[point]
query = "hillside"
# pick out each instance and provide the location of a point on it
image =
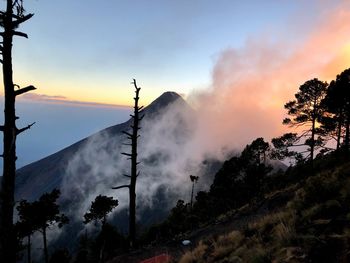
(46, 174)
(305, 219)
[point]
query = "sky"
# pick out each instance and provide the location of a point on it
(222, 56)
(83, 50)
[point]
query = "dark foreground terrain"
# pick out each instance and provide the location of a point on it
(306, 220)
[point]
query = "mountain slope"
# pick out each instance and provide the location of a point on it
(46, 174)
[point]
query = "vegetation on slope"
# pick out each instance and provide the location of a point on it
(313, 227)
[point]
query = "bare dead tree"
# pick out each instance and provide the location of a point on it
(194, 180)
(133, 137)
(10, 20)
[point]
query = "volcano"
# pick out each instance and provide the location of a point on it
(47, 174)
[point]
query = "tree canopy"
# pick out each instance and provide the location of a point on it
(100, 208)
(306, 110)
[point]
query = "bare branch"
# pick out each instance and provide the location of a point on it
(24, 90)
(132, 126)
(18, 131)
(20, 34)
(21, 19)
(130, 135)
(121, 186)
(127, 154)
(127, 175)
(296, 145)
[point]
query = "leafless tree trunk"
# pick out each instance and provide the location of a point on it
(29, 247)
(133, 137)
(46, 254)
(193, 179)
(9, 20)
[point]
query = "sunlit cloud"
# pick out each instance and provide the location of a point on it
(251, 85)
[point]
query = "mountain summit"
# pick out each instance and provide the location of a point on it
(164, 100)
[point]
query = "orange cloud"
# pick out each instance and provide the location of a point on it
(251, 85)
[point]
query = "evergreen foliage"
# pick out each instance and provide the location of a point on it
(305, 111)
(39, 216)
(337, 104)
(100, 208)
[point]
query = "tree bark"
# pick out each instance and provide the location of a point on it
(102, 249)
(132, 189)
(10, 22)
(29, 255)
(312, 146)
(7, 235)
(192, 195)
(340, 124)
(347, 133)
(46, 254)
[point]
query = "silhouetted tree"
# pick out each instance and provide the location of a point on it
(133, 137)
(178, 218)
(48, 214)
(337, 103)
(27, 223)
(253, 160)
(228, 188)
(10, 20)
(194, 180)
(256, 152)
(307, 110)
(240, 178)
(282, 146)
(100, 208)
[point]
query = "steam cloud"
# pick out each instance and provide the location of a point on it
(249, 88)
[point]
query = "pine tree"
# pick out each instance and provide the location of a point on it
(48, 214)
(306, 110)
(337, 103)
(27, 223)
(100, 208)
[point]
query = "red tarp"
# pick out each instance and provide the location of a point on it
(162, 258)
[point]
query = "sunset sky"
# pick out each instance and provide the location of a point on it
(233, 60)
(89, 50)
